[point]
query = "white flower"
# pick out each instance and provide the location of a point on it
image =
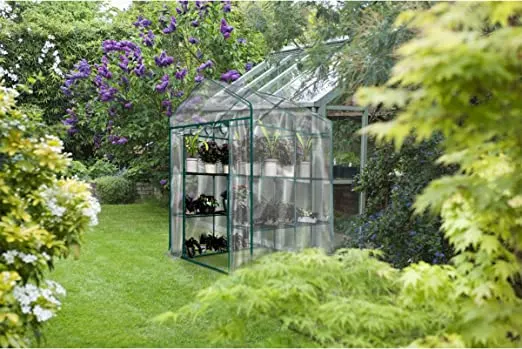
(51, 37)
(46, 256)
(92, 211)
(42, 314)
(17, 66)
(28, 29)
(55, 53)
(40, 60)
(9, 256)
(26, 309)
(56, 287)
(28, 258)
(20, 40)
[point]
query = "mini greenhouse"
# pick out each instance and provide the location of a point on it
(251, 173)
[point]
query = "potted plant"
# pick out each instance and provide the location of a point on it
(305, 216)
(209, 153)
(206, 204)
(285, 154)
(271, 143)
(223, 157)
(191, 145)
(304, 147)
(346, 165)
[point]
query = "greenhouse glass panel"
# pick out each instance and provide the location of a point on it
(251, 173)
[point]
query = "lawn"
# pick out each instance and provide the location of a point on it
(124, 278)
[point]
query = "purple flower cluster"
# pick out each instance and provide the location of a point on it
(227, 6)
(107, 93)
(180, 75)
(163, 182)
(194, 23)
(241, 41)
(199, 78)
(162, 86)
(142, 22)
(231, 75)
(71, 122)
(248, 66)
(121, 46)
(225, 28)
(117, 139)
(163, 60)
(193, 40)
(184, 6)
(171, 27)
(203, 66)
(168, 107)
(124, 63)
(148, 39)
(82, 70)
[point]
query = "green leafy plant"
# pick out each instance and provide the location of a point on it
(349, 300)
(102, 168)
(347, 158)
(474, 103)
(271, 142)
(192, 144)
(304, 147)
(115, 190)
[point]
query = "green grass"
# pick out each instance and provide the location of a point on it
(124, 278)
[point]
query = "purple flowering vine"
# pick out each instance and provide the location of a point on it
(171, 27)
(142, 22)
(180, 75)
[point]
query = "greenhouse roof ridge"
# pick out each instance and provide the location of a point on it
(283, 77)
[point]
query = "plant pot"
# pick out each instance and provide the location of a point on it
(225, 169)
(244, 168)
(210, 168)
(304, 169)
(342, 171)
(287, 171)
(192, 165)
(257, 169)
(270, 167)
(307, 220)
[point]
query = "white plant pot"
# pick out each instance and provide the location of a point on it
(225, 169)
(307, 220)
(244, 168)
(270, 168)
(210, 168)
(257, 169)
(304, 169)
(287, 171)
(192, 165)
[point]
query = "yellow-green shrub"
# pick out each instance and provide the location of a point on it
(42, 216)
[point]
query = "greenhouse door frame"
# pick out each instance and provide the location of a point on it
(364, 140)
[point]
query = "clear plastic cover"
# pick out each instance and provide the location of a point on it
(269, 188)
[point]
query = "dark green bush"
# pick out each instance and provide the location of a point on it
(115, 190)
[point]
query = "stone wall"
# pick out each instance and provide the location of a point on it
(146, 190)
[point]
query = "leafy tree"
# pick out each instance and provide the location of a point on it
(41, 41)
(41, 219)
(460, 77)
(348, 300)
(137, 84)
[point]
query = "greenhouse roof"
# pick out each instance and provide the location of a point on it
(280, 76)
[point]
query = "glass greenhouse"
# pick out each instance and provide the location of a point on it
(251, 173)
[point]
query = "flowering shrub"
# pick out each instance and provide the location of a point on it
(41, 218)
(137, 83)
